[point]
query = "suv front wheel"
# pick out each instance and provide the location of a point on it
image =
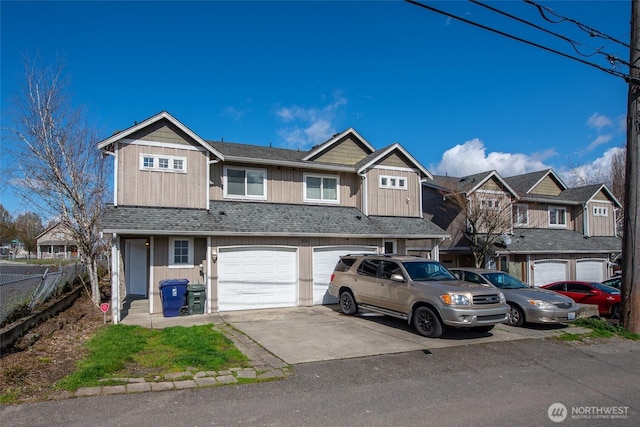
(427, 323)
(348, 303)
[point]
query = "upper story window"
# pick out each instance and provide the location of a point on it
(600, 211)
(155, 162)
(180, 252)
(396, 182)
(492, 204)
(321, 188)
(557, 216)
(520, 215)
(245, 183)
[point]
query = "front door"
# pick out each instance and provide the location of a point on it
(136, 267)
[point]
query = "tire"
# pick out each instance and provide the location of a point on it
(515, 317)
(482, 329)
(615, 311)
(427, 323)
(348, 303)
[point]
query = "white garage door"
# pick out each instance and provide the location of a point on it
(257, 277)
(324, 261)
(549, 271)
(590, 270)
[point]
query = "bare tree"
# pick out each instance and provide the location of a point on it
(6, 226)
(484, 219)
(28, 226)
(58, 167)
(617, 182)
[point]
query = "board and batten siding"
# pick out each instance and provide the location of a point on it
(600, 225)
(285, 185)
(393, 201)
(157, 188)
(539, 216)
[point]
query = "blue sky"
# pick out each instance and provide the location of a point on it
(460, 99)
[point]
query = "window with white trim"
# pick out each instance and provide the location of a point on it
(393, 182)
(557, 216)
(155, 162)
(321, 188)
(245, 183)
(491, 204)
(180, 252)
(600, 211)
(520, 215)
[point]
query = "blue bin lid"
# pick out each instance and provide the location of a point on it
(173, 282)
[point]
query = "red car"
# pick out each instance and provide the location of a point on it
(607, 298)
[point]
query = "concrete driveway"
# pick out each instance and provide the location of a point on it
(312, 334)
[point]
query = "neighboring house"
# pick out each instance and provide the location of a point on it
(557, 233)
(56, 242)
(260, 227)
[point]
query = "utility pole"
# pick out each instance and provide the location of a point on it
(631, 240)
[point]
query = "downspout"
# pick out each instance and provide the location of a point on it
(585, 220)
(115, 172)
(365, 208)
(422, 181)
(207, 190)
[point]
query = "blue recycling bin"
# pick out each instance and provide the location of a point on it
(173, 293)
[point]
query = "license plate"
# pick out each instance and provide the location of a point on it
(571, 316)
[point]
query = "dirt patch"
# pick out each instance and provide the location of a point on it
(49, 352)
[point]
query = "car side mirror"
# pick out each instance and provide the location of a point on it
(397, 277)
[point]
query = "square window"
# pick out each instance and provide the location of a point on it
(147, 162)
(178, 164)
(246, 183)
(321, 188)
(180, 252)
(557, 217)
(163, 163)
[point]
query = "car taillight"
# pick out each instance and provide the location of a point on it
(332, 277)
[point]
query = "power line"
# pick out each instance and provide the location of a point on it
(590, 30)
(574, 44)
(626, 77)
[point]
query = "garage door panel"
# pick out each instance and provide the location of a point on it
(324, 261)
(590, 270)
(549, 271)
(254, 278)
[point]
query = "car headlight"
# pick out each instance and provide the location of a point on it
(503, 299)
(541, 304)
(454, 299)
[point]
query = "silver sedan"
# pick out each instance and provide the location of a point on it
(527, 304)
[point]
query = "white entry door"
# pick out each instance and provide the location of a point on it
(324, 261)
(257, 277)
(136, 267)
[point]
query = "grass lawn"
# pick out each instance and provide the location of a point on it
(121, 351)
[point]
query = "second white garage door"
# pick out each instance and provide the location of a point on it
(324, 261)
(257, 277)
(590, 270)
(549, 271)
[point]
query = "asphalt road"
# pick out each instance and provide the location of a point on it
(492, 384)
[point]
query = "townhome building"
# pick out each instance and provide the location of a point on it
(258, 226)
(56, 242)
(551, 232)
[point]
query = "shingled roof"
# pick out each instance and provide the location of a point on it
(549, 241)
(259, 218)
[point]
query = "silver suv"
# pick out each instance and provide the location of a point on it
(421, 291)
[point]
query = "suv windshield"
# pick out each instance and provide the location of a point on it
(426, 271)
(504, 281)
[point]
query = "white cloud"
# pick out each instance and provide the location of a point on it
(601, 139)
(310, 126)
(598, 121)
(598, 171)
(471, 157)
